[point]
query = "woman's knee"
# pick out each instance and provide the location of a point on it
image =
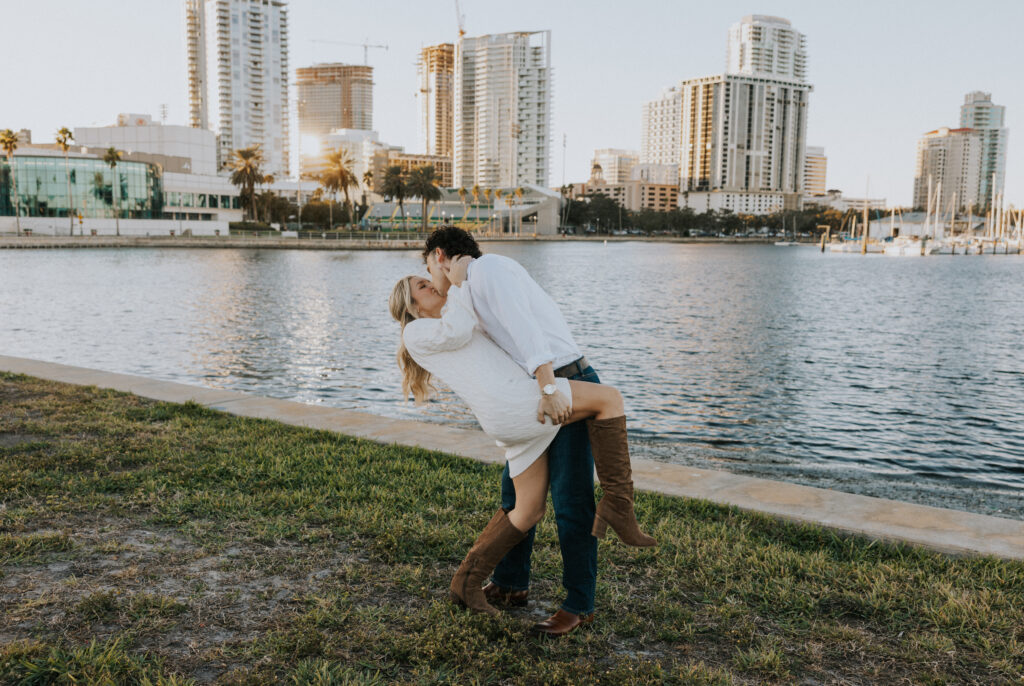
(533, 512)
(614, 403)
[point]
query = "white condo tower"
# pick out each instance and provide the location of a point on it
(502, 110)
(238, 75)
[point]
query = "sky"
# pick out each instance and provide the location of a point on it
(883, 72)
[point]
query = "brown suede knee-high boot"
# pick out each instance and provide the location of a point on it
(497, 538)
(609, 445)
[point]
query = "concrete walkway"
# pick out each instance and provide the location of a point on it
(950, 531)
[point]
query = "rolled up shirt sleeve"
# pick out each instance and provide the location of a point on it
(510, 303)
(452, 331)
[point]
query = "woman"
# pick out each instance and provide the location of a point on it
(440, 337)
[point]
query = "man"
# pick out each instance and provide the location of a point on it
(524, 321)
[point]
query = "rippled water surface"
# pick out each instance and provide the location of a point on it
(894, 377)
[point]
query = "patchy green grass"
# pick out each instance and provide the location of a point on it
(153, 543)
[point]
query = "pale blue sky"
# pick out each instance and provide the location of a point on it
(884, 72)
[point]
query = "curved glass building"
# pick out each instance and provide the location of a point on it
(135, 188)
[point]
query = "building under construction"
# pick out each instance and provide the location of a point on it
(437, 88)
(334, 96)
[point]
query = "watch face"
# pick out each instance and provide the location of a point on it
(550, 389)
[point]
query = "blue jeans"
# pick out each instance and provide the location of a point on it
(571, 474)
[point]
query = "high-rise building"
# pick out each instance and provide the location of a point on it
(815, 168)
(238, 75)
(979, 113)
(661, 135)
(617, 165)
(952, 157)
(334, 96)
(437, 92)
(743, 133)
(503, 110)
(760, 45)
(739, 138)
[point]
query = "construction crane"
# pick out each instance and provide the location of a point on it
(461, 18)
(365, 46)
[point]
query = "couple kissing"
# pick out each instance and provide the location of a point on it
(482, 326)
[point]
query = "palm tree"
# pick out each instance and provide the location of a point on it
(112, 157)
(9, 142)
(462, 196)
(475, 192)
(247, 171)
(423, 184)
(487, 198)
(498, 195)
(338, 176)
(519, 200)
(367, 187)
(64, 138)
(394, 186)
(268, 179)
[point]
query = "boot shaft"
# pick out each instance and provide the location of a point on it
(610, 447)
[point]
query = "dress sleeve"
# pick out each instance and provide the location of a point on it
(452, 331)
(504, 292)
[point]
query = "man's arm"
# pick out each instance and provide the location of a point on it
(504, 293)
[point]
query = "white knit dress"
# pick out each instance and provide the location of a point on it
(503, 397)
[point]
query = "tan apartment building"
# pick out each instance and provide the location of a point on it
(633, 195)
(815, 170)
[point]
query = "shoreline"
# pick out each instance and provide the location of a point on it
(36, 242)
(944, 530)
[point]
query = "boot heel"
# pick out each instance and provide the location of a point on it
(456, 600)
(600, 528)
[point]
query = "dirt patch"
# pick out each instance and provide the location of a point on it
(13, 440)
(184, 602)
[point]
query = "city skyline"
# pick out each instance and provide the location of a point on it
(868, 122)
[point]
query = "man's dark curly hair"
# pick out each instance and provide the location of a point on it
(453, 240)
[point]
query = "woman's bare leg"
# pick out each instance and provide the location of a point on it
(531, 495)
(595, 401)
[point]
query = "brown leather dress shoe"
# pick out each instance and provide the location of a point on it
(500, 596)
(561, 623)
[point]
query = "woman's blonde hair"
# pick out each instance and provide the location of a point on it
(415, 379)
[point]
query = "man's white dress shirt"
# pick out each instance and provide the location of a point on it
(518, 314)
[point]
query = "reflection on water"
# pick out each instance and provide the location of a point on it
(890, 377)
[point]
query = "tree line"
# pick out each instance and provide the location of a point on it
(598, 213)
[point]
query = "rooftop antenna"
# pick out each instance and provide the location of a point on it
(163, 113)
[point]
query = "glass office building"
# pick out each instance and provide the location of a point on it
(42, 184)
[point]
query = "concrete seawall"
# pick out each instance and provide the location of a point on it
(949, 531)
(370, 242)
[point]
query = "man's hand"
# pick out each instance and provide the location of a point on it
(457, 268)
(556, 406)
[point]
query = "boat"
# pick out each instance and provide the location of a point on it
(909, 246)
(785, 243)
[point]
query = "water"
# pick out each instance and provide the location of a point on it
(897, 378)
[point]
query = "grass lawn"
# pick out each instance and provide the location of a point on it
(152, 543)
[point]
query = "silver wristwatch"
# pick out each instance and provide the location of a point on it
(549, 389)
